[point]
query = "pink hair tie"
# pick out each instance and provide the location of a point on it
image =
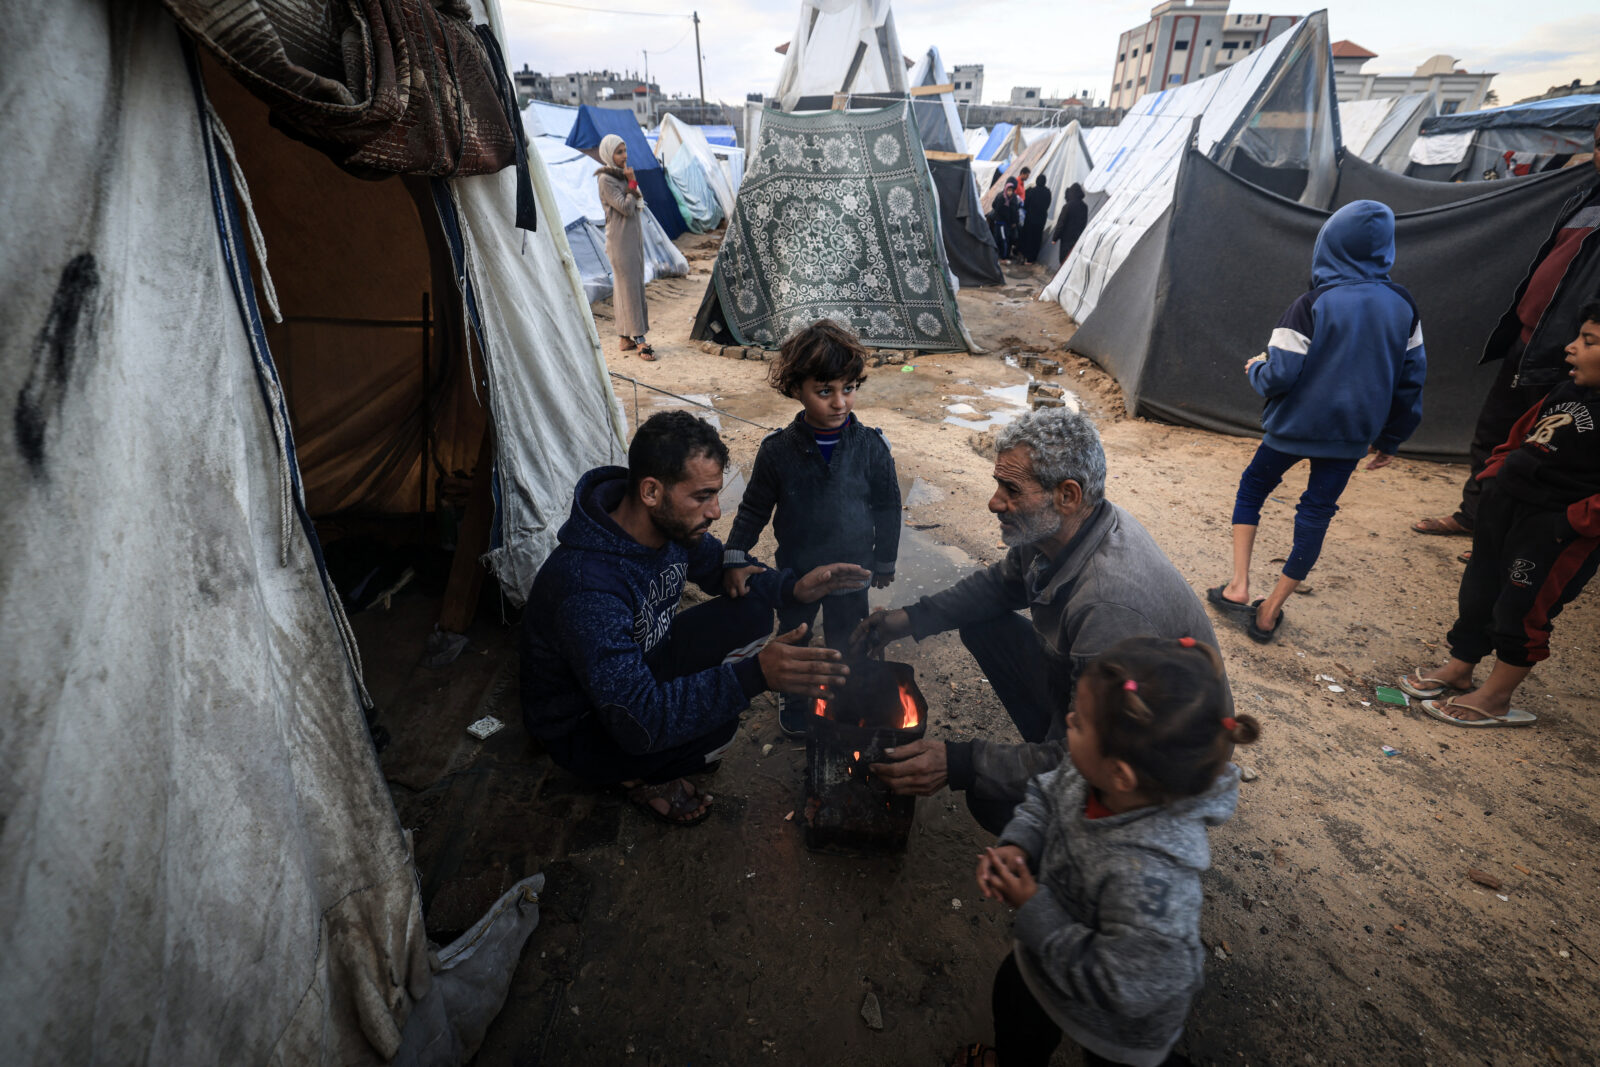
(1230, 723)
(1131, 686)
(1186, 642)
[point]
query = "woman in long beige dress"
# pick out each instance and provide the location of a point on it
(619, 193)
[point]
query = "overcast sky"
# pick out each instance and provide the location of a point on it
(1061, 47)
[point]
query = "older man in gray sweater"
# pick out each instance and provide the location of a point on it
(1087, 574)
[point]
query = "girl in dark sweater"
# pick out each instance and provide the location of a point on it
(832, 482)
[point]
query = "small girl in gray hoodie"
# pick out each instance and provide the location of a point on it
(1102, 861)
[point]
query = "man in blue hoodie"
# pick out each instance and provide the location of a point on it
(620, 686)
(1342, 375)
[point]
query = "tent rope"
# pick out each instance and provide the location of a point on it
(258, 242)
(687, 400)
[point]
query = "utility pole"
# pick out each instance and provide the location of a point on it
(697, 63)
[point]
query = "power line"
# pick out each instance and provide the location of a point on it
(604, 10)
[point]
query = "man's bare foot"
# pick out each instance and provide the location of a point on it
(1448, 526)
(674, 802)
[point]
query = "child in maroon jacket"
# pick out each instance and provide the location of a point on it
(1534, 547)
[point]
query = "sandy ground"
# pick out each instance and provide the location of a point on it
(1343, 925)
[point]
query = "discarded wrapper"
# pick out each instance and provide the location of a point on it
(1389, 750)
(486, 727)
(1386, 695)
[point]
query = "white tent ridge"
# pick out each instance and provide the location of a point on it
(841, 46)
(1136, 164)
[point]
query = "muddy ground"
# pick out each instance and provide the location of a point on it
(1343, 925)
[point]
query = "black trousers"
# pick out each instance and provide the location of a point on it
(1024, 1033)
(1502, 407)
(1031, 685)
(706, 635)
(1527, 564)
(840, 615)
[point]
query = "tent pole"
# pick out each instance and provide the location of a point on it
(427, 457)
(698, 65)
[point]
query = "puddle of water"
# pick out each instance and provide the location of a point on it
(733, 484)
(667, 403)
(920, 493)
(924, 566)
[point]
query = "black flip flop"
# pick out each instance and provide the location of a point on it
(1259, 635)
(1224, 604)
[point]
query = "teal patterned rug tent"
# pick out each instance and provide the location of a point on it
(836, 219)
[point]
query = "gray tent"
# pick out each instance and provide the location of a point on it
(1203, 288)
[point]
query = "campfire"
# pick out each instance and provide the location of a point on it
(847, 809)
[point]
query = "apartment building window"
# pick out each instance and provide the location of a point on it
(1208, 42)
(1180, 46)
(1121, 56)
(1449, 107)
(1135, 53)
(1142, 81)
(1128, 84)
(1174, 79)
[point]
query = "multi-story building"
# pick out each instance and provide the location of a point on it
(1024, 96)
(531, 85)
(968, 81)
(1184, 42)
(1454, 88)
(600, 86)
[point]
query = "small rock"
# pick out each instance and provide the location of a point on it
(1564, 954)
(871, 1012)
(1335, 688)
(766, 750)
(894, 358)
(1247, 774)
(1049, 402)
(1483, 878)
(1220, 952)
(955, 903)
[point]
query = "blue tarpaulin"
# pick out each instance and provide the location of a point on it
(997, 137)
(1579, 112)
(592, 125)
(722, 135)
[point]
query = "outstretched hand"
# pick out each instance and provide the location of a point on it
(920, 768)
(791, 666)
(831, 578)
(878, 629)
(1003, 875)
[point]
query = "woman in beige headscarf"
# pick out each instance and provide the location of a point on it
(619, 193)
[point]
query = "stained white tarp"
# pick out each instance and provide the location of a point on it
(841, 46)
(1274, 109)
(199, 860)
(1442, 147)
(1390, 144)
(976, 138)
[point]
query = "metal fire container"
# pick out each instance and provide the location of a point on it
(847, 809)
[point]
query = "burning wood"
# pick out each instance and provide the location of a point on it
(847, 809)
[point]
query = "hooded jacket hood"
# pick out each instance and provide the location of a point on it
(589, 527)
(1356, 244)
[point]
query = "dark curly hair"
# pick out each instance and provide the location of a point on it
(1590, 312)
(664, 445)
(1175, 724)
(824, 351)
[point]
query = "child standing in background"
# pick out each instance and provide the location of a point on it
(832, 482)
(1102, 861)
(1342, 375)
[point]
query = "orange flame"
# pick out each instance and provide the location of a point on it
(909, 704)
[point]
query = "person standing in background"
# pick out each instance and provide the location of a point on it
(622, 200)
(1036, 212)
(1070, 224)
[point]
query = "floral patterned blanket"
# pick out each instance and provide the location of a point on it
(837, 219)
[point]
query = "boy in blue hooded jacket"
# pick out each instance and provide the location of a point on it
(1342, 376)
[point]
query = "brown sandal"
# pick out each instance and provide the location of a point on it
(647, 353)
(628, 344)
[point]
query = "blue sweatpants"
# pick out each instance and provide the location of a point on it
(1318, 504)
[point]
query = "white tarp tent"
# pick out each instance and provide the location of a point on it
(199, 859)
(840, 46)
(1269, 118)
(679, 137)
(976, 138)
(1382, 130)
(1067, 162)
(938, 121)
